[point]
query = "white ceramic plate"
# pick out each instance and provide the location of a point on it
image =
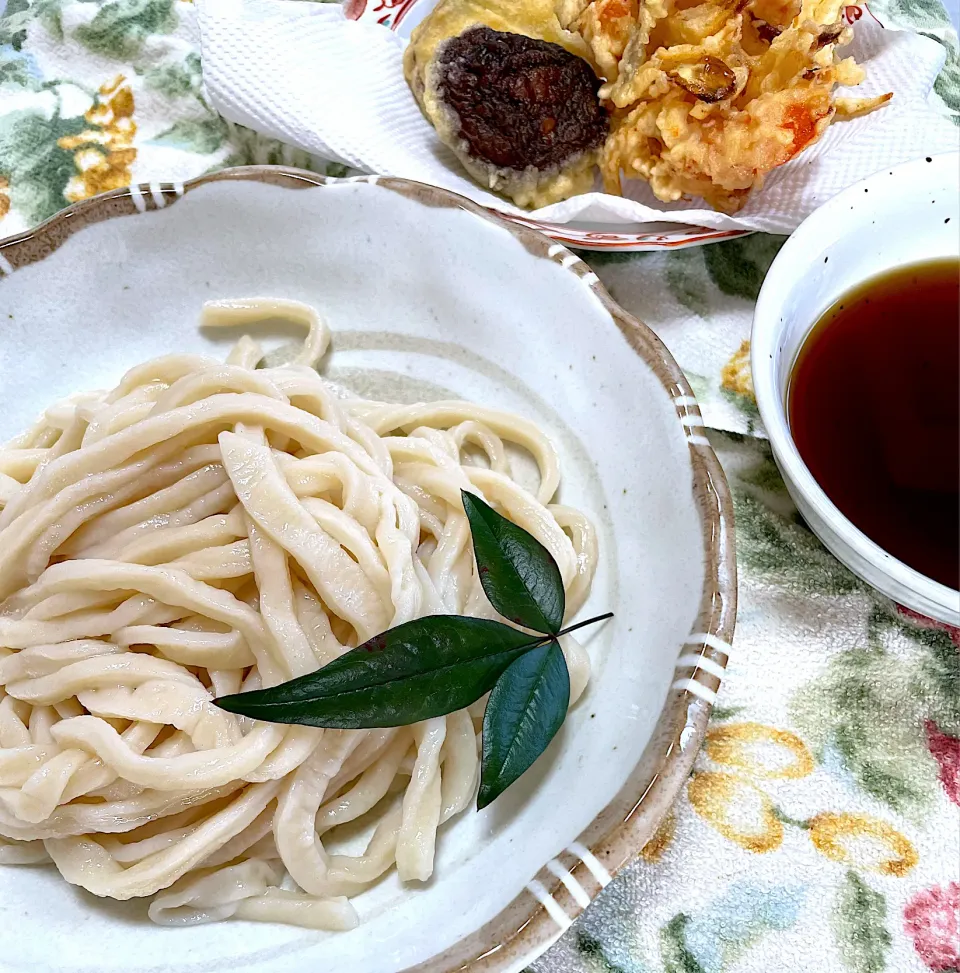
(427, 295)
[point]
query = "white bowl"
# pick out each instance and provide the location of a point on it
(900, 216)
(427, 296)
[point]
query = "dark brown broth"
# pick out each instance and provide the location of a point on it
(873, 406)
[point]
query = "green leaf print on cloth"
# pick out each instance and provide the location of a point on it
(779, 547)
(687, 281)
(32, 162)
(674, 954)
(120, 28)
(16, 70)
(715, 940)
(947, 85)
(869, 710)
(859, 926)
(763, 475)
(50, 14)
(930, 18)
(694, 275)
(19, 14)
(13, 23)
(175, 80)
(938, 671)
(200, 135)
(862, 711)
(595, 959)
(738, 266)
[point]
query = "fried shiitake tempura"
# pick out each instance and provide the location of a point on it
(512, 94)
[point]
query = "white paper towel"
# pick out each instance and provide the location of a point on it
(301, 72)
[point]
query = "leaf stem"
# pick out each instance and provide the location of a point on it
(786, 819)
(589, 621)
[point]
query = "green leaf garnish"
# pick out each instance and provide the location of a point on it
(424, 668)
(526, 709)
(517, 572)
(439, 664)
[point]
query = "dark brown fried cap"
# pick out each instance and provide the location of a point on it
(520, 102)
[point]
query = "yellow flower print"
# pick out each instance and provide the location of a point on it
(761, 751)
(744, 813)
(863, 841)
(738, 810)
(653, 850)
(104, 152)
(735, 376)
(4, 197)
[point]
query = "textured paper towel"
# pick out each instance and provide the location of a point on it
(303, 73)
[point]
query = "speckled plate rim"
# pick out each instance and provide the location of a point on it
(565, 885)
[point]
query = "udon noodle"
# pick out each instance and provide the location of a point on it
(207, 528)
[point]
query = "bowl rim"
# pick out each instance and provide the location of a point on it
(789, 264)
(542, 910)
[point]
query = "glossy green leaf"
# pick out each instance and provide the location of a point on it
(420, 669)
(518, 574)
(526, 708)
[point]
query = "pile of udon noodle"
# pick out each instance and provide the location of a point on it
(708, 98)
(208, 528)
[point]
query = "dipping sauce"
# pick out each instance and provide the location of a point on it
(873, 405)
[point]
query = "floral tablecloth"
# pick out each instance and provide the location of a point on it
(820, 830)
